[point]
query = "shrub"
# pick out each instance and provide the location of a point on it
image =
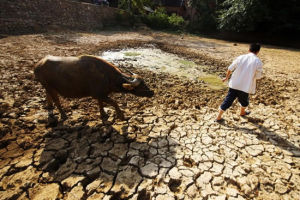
(160, 20)
(176, 22)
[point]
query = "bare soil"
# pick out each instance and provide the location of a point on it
(25, 127)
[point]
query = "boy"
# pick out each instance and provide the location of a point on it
(246, 69)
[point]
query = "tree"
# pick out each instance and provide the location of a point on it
(206, 14)
(134, 6)
(274, 16)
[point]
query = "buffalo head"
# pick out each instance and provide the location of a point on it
(137, 87)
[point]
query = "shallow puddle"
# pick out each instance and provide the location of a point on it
(159, 61)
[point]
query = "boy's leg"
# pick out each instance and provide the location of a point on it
(243, 99)
(243, 110)
(219, 117)
(229, 99)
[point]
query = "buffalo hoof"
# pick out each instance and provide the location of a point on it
(52, 121)
(104, 116)
(49, 107)
(121, 117)
(64, 117)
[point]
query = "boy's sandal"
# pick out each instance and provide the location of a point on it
(246, 113)
(219, 120)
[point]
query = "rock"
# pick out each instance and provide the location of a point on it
(239, 197)
(206, 140)
(150, 119)
(66, 169)
(20, 178)
(119, 150)
(204, 179)
(210, 155)
(192, 191)
(196, 157)
(239, 171)
(165, 164)
(11, 194)
(174, 173)
(94, 172)
(161, 189)
(255, 150)
(296, 153)
(217, 181)
(45, 191)
(136, 160)
(205, 166)
(232, 192)
(90, 188)
(221, 197)
(109, 165)
(101, 184)
(186, 172)
(96, 196)
(239, 144)
(164, 197)
(24, 162)
(207, 190)
(217, 168)
(71, 181)
(219, 159)
(12, 115)
(76, 193)
(127, 181)
(150, 170)
(280, 188)
(162, 143)
(56, 144)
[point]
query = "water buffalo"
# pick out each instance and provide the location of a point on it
(86, 76)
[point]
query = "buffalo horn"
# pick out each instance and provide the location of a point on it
(136, 80)
(129, 71)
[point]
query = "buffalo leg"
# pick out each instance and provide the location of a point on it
(49, 101)
(55, 98)
(115, 105)
(102, 112)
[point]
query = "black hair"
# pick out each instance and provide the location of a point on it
(254, 48)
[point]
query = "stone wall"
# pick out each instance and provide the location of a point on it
(27, 16)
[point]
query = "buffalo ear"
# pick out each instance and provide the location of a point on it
(127, 86)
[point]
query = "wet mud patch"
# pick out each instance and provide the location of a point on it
(158, 61)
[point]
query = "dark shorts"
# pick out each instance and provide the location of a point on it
(243, 98)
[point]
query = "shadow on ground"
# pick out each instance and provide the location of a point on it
(267, 135)
(103, 159)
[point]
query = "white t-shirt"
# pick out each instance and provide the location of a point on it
(246, 69)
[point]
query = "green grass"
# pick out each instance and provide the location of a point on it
(132, 54)
(213, 81)
(186, 62)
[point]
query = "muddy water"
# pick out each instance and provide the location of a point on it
(159, 61)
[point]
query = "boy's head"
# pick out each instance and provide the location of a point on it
(254, 48)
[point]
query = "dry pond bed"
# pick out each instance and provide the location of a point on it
(168, 147)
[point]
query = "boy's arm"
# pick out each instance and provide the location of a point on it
(259, 71)
(227, 75)
(231, 68)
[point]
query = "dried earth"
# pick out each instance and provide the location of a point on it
(169, 147)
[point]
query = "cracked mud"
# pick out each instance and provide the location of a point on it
(169, 146)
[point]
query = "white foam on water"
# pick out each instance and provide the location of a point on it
(155, 60)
